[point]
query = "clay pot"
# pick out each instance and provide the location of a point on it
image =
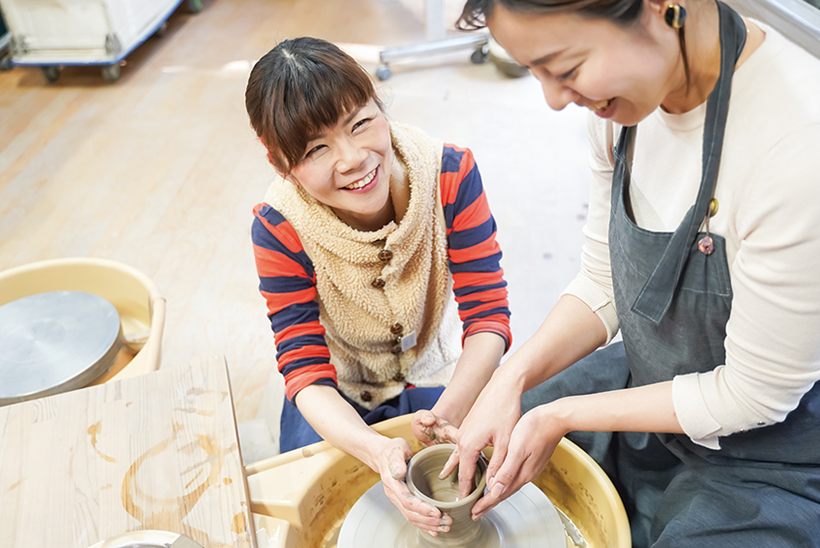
(423, 482)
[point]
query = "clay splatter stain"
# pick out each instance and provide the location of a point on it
(14, 485)
(163, 513)
(93, 431)
(106, 486)
(198, 473)
(227, 481)
(202, 412)
(239, 524)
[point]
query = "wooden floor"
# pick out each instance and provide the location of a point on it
(161, 170)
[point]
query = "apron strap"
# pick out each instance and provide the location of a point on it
(655, 297)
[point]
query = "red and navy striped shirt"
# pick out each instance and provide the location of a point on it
(288, 281)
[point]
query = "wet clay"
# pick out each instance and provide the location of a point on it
(423, 481)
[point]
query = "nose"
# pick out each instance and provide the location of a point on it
(350, 156)
(557, 94)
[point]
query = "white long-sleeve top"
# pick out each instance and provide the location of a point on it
(768, 190)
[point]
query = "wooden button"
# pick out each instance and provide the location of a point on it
(366, 396)
(396, 349)
(398, 377)
(378, 283)
(396, 328)
(385, 255)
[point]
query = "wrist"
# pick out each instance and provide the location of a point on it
(556, 415)
(447, 411)
(370, 449)
(508, 379)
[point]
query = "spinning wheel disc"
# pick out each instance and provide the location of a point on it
(525, 520)
(54, 342)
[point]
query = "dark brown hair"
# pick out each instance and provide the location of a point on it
(619, 12)
(299, 89)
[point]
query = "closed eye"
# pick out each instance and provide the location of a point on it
(567, 75)
(313, 151)
(361, 123)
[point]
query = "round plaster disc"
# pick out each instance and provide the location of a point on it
(54, 342)
(525, 520)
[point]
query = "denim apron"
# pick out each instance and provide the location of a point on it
(762, 488)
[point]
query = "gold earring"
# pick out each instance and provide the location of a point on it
(675, 16)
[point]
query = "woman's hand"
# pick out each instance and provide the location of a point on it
(489, 422)
(532, 443)
(392, 459)
(431, 429)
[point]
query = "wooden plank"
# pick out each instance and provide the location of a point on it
(159, 451)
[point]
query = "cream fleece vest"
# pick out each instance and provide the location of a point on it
(417, 292)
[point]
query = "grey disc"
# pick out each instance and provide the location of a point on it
(54, 342)
(525, 520)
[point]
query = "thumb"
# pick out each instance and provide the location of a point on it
(397, 461)
(427, 418)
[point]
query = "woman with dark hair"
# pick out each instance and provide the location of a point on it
(702, 249)
(368, 231)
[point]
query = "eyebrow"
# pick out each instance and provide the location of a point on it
(353, 115)
(349, 119)
(543, 60)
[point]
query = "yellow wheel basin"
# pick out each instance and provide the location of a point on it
(300, 499)
(140, 306)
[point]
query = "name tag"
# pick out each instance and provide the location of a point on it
(408, 341)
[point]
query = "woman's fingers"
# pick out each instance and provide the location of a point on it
(414, 510)
(502, 484)
(393, 468)
(446, 433)
(466, 471)
(496, 462)
(450, 465)
(431, 429)
(422, 424)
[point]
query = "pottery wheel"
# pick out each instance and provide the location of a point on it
(54, 342)
(525, 520)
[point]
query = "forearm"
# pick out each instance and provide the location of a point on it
(643, 409)
(570, 332)
(338, 423)
(479, 359)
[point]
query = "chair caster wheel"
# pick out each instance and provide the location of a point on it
(383, 73)
(51, 73)
(479, 56)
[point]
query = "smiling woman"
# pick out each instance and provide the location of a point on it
(702, 247)
(347, 167)
(373, 244)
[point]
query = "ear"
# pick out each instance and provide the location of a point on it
(658, 7)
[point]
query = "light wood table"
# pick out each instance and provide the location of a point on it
(158, 451)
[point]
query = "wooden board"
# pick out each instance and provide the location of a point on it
(159, 451)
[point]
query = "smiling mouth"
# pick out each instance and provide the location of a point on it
(363, 182)
(601, 106)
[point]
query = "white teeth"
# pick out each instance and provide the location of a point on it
(601, 106)
(362, 182)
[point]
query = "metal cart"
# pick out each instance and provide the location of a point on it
(52, 34)
(5, 40)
